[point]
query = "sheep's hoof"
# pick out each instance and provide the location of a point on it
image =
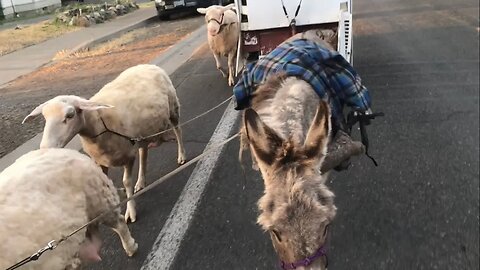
(139, 186)
(231, 82)
(181, 161)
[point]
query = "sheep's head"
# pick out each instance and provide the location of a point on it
(214, 16)
(63, 119)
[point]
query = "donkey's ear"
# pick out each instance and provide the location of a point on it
(319, 132)
(264, 141)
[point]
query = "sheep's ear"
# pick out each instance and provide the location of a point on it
(89, 105)
(34, 113)
(229, 6)
(318, 134)
(202, 10)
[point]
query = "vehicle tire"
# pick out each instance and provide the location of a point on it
(164, 17)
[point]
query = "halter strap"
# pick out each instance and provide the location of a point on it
(215, 20)
(106, 129)
(321, 251)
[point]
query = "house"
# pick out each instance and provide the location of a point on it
(12, 8)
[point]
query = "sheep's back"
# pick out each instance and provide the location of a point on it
(142, 97)
(42, 197)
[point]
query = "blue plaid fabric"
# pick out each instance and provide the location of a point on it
(329, 74)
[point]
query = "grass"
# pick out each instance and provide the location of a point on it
(147, 4)
(106, 47)
(12, 40)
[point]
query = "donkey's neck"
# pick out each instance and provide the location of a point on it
(289, 111)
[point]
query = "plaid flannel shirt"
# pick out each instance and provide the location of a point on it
(329, 74)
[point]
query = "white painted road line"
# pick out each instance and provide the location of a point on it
(170, 237)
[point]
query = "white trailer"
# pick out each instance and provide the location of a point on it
(264, 24)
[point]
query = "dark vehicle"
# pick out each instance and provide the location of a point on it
(165, 8)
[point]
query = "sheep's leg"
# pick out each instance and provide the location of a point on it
(121, 228)
(181, 150)
(231, 62)
(131, 212)
(174, 119)
(142, 170)
(219, 65)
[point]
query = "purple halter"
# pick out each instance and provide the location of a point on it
(321, 251)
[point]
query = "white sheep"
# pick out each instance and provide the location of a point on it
(141, 101)
(223, 33)
(48, 193)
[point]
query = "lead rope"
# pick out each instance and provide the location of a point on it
(152, 185)
(50, 246)
(133, 140)
(53, 244)
(293, 22)
(363, 121)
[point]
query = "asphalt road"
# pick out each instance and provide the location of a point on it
(418, 210)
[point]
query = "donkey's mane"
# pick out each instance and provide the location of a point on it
(268, 90)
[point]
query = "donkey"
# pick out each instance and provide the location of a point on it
(288, 130)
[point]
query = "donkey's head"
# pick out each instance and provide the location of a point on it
(297, 206)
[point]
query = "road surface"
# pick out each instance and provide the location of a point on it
(417, 210)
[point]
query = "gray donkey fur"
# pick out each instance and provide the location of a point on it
(288, 131)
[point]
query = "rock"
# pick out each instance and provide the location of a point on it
(97, 13)
(63, 17)
(98, 18)
(120, 8)
(83, 22)
(92, 20)
(111, 14)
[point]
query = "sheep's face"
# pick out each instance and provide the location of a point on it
(62, 123)
(214, 17)
(64, 118)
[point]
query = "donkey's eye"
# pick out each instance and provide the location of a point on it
(277, 235)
